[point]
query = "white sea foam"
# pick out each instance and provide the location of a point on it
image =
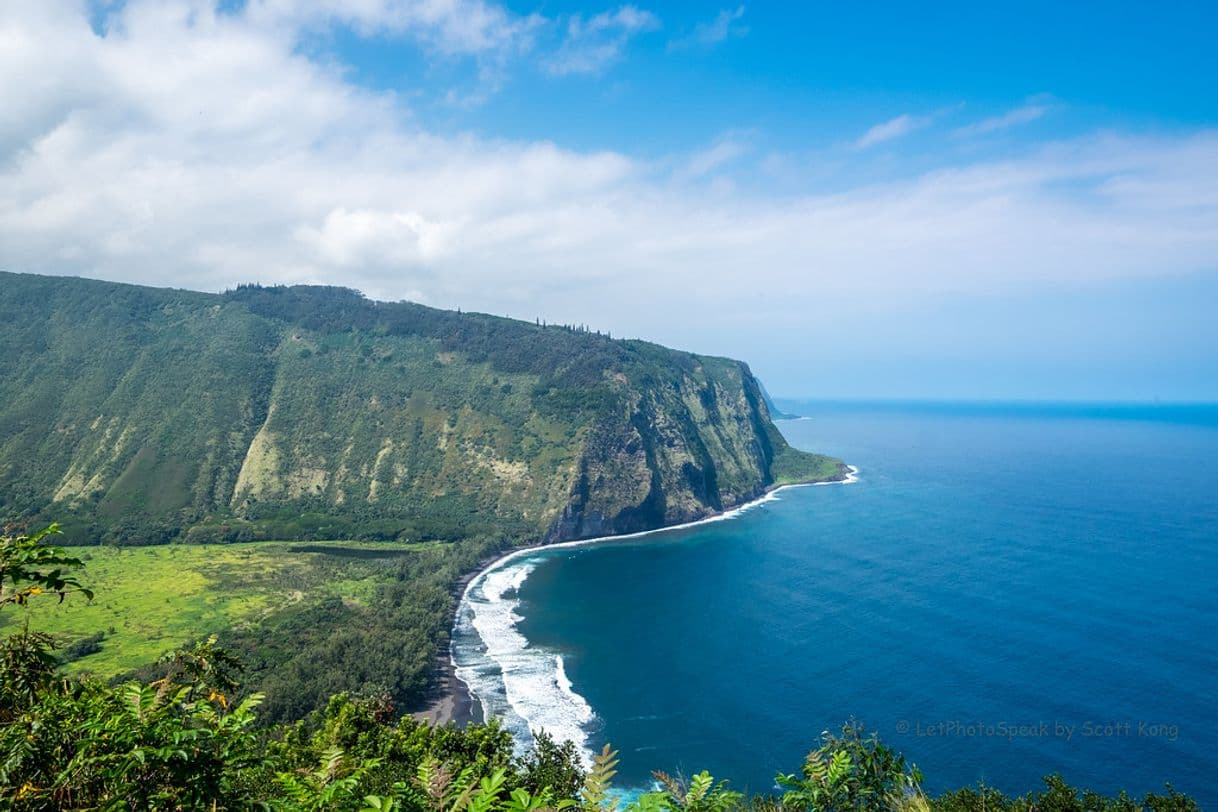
(524, 686)
(852, 476)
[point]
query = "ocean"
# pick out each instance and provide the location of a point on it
(1007, 591)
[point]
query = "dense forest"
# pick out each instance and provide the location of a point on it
(190, 737)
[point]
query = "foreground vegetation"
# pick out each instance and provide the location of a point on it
(186, 739)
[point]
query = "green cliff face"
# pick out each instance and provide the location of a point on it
(145, 414)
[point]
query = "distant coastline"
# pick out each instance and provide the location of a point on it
(454, 701)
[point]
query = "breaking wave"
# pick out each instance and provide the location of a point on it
(526, 687)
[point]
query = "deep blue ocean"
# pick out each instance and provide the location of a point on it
(1006, 592)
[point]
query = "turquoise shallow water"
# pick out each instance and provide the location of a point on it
(1006, 592)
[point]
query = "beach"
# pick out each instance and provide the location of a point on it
(453, 702)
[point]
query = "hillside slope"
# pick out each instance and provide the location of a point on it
(140, 415)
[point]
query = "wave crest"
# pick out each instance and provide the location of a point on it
(524, 686)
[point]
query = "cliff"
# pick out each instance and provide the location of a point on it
(141, 415)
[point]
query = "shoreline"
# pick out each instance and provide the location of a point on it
(452, 701)
(455, 703)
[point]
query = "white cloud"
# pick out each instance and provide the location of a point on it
(723, 151)
(593, 44)
(713, 32)
(1024, 114)
(458, 27)
(892, 129)
(204, 150)
(356, 239)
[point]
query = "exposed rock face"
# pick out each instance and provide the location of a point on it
(680, 452)
(141, 415)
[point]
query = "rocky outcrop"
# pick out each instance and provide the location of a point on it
(680, 452)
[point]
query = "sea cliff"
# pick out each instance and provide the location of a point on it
(142, 415)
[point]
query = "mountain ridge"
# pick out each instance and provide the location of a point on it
(302, 412)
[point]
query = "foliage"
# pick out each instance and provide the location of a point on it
(82, 744)
(554, 765)
(293, 614)
(1058, 796)
(700, 794)
(387, 645)
(29, 568)
(595, 792)
(333, 784)
(852, 771)
(68, 743)
(27, 665)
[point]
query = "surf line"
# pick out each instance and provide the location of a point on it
(510, 645)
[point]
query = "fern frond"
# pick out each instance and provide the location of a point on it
(461, 791)
(433, 779)
(600, 780)
(486, 797)
(672, 785)
(699, 785)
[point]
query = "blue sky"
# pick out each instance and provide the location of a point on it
(973, 200)
(804, 75)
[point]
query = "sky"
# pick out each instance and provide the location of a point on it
(893, 200)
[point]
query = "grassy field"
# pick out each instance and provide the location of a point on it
(150, 600)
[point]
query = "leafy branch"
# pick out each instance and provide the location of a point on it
(29, 568)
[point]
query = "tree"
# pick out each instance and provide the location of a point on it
(74, 743)
(29, 568)
(853, 772)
